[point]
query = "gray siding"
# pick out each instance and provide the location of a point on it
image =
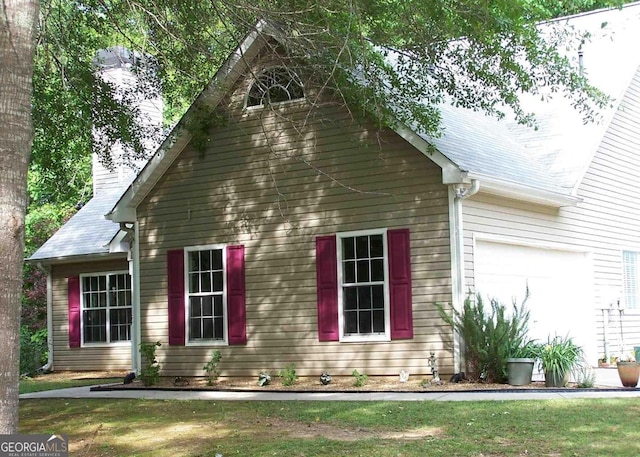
(273, 181)
(605, 223)
(108, 357)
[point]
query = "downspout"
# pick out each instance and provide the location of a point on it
(134, 271)
(49, 365)
(458, 193)
(136, 361)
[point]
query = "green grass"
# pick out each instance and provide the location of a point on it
(306, 429)
(40, 383)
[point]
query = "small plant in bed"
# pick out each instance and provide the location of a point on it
(360, 378)
(211, 368)
(288, 375)
(150, 373)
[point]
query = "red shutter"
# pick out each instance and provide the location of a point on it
(175, 291)
(73, 288)
(236, 296)
(327, 288)
(400, 284)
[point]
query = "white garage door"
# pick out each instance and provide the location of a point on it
(560, 288)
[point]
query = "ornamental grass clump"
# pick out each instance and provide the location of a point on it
(559, 356)
(489, 337)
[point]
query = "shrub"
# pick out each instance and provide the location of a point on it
(211, 368)
(288, 375)
(150, 373)
(33, 350)
(488, 338)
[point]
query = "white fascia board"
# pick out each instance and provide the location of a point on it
(79, 258)
(451, 173)
(524, 193)
(225, 77)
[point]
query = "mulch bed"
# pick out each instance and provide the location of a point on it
(338, 384)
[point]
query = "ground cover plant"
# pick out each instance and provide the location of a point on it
(374, 429)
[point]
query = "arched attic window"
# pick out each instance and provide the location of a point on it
(274, 85)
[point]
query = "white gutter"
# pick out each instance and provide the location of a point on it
(49, 365)
(457, 193)
(524, 193)
(76, 258)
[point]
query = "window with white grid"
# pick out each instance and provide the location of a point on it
(106, 307)
(206, 285)
(363, 285)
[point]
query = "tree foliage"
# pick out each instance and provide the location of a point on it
(393, 60)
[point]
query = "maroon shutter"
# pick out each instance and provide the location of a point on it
(175, 290)
(236, 296)
(400, 284)
(73, 288)
(327, 288)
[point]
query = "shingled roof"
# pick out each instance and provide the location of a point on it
(554, 156)
(86, 234)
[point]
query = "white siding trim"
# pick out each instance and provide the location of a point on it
(477, 236)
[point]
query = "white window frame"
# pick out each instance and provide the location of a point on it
(635, 278)
(295, 78)
(108, 308)
(206, 342)
(374, 337)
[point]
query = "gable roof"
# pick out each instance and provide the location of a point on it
(236, 65)
(543, 165)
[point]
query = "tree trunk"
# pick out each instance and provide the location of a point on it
(18, 19)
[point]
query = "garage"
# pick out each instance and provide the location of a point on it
(560, 287)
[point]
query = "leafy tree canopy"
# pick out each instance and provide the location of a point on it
(394, 60)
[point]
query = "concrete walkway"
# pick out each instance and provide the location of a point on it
(605, 378)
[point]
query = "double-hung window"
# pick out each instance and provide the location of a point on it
(631, 279)
(206, 303)
(363, 294)
(106, 308)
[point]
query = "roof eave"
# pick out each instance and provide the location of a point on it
(528, 194)
(77, 258)
(451, 173)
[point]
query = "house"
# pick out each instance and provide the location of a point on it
(302, 236)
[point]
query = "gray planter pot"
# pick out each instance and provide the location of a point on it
(520, 371)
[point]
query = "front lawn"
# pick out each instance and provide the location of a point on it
(63, 380)
(206, 428)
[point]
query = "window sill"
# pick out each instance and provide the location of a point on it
(365, 339)
(106, 345)
(207, 343)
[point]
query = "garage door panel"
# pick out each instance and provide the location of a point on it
(560, 291)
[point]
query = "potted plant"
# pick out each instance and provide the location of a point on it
(520, 363)
(558, 357)
(603, 362)
(628, 370)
